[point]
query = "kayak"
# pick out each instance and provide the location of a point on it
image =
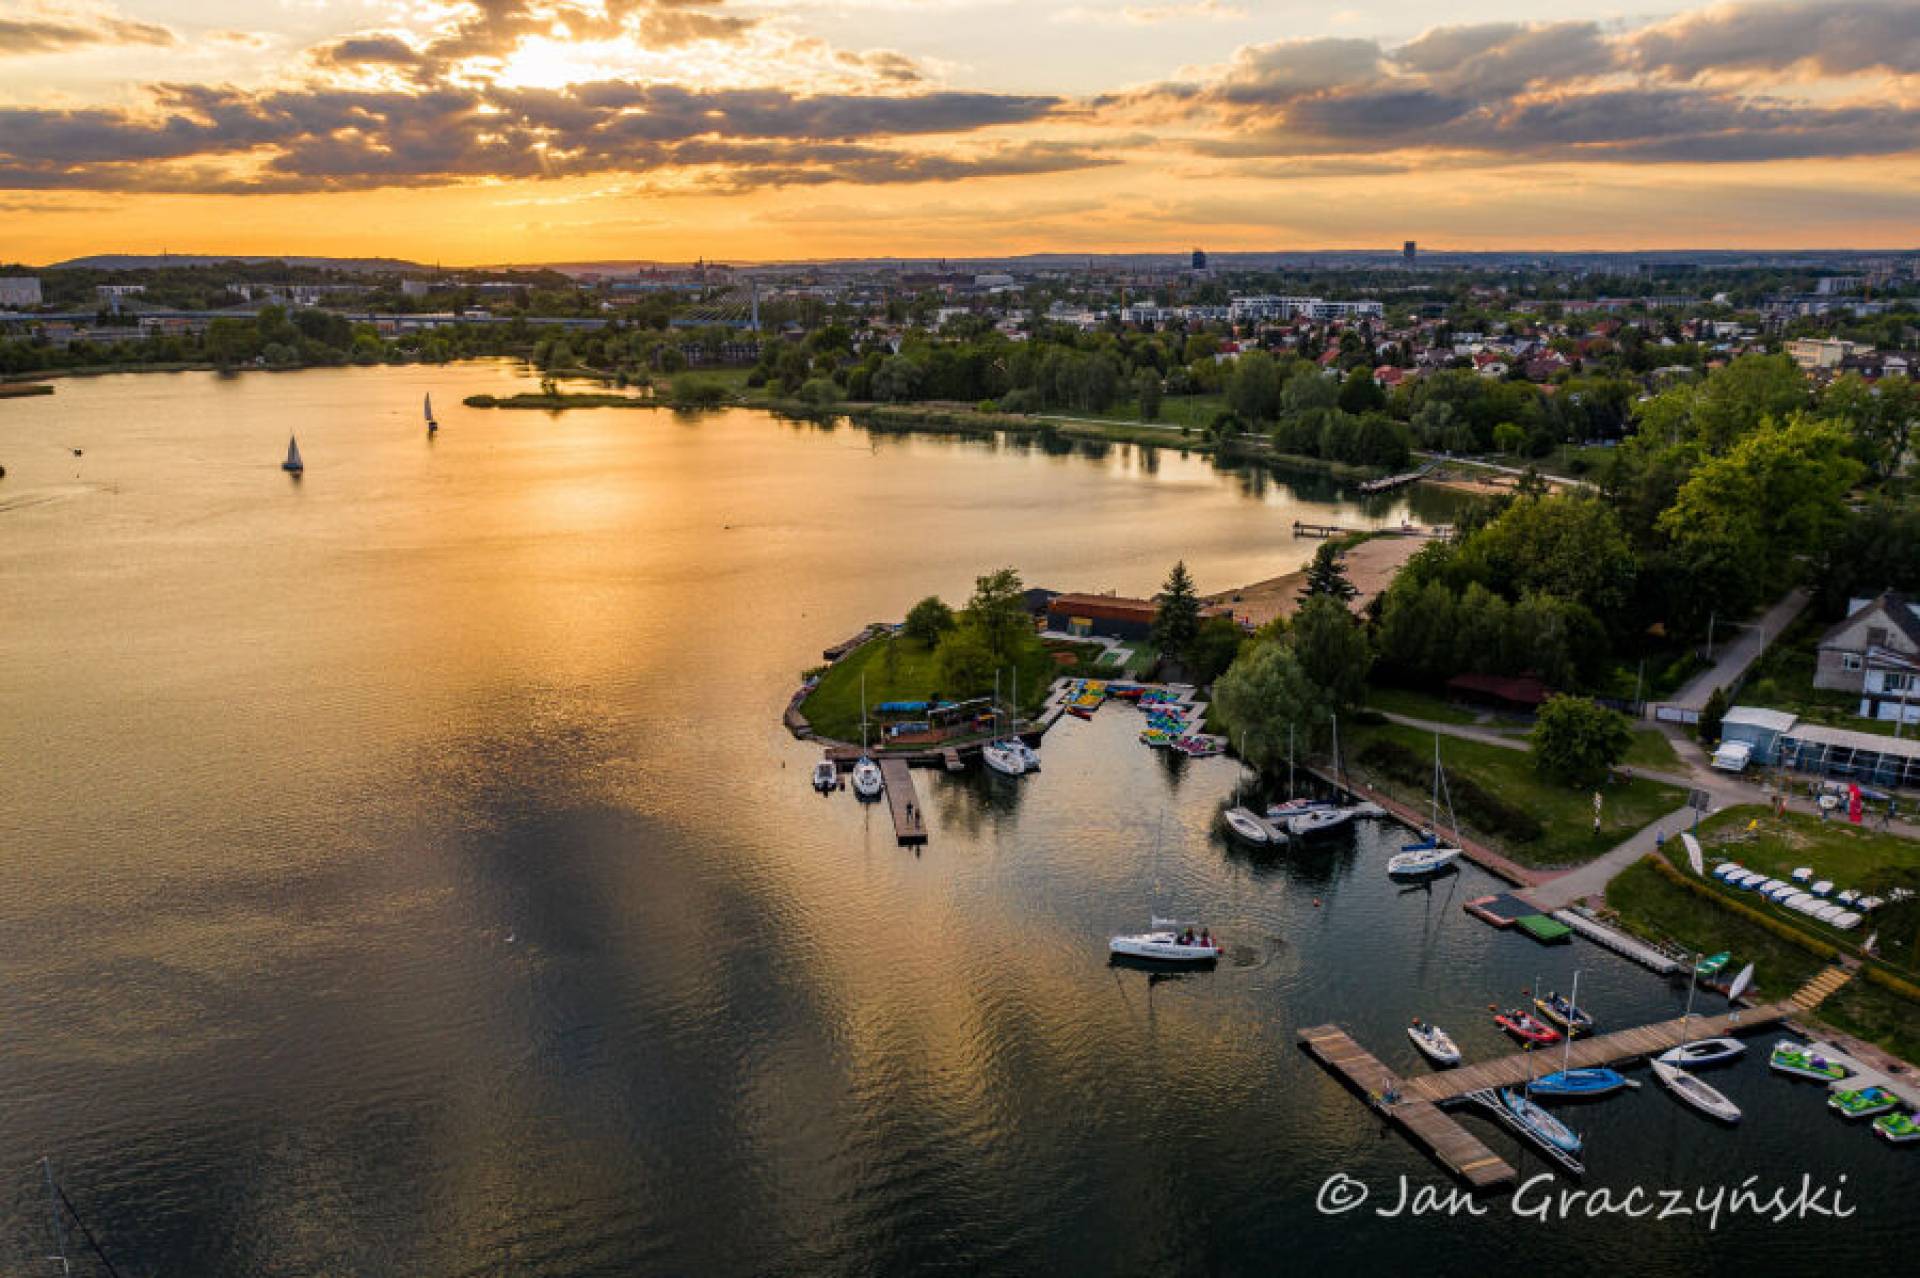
(1525, 1028)
(1575, 1084)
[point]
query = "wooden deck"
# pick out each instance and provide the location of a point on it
(1472, 849)
(1453, 1146)
(909, 824)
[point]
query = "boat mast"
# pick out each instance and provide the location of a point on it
(1433, 823)
(59, 1226)
(1693, 980)
(863, 714)
(1336, 755)
(1243, 741)
(1573, 1010)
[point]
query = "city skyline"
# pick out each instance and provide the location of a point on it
(549, 130)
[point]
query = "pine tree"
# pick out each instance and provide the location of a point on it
(1711, 714)
(1326, 575)
(1177, 620)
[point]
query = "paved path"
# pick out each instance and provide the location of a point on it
(1592, 878)
(1741, 652)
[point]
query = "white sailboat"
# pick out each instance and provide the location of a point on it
(868, 781)
(1011, 742)
(1318, 818)
(1429, 855)
(1702, 1096)
(432, 425)
(293, 465)
(997, 754)
(1169, 940)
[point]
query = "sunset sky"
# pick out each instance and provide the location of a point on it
(547, 130)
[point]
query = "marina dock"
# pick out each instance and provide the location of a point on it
(1302, 528)
(903, 802)
(1415, 1104)
(1391, 482)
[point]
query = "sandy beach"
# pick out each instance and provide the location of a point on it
(1370, 566)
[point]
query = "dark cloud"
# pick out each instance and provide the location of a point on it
(321, 138)
(368, 50)
(1564, 91)
(1834, 37)
(57, 33)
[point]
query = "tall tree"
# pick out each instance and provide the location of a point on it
(1177, 619)
(998, 608)
(1576, 741)
(1262, 696)
(1327, 575)
(1332, 650)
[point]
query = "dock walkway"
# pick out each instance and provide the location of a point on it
(1474, 850)
(903, 802)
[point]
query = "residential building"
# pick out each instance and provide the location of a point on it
(20, 290)
(1875, 652)
(1814, 354)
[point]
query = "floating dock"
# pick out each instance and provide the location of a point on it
(903, 802)
(1391, 482)
(1620, 943)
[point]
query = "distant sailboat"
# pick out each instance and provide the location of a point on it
(293, 465)
(432, 425)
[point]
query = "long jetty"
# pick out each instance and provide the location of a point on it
(1414, 1104)
(903, 803)
(1302, 528)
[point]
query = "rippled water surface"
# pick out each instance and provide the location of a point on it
(404, 871)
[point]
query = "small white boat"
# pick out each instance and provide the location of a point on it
(1168, 946)
(1427, 857)
(1434, 1043)
(1693, 1091)
(1247, 825)
(1319, 820)
(293, 465)
(1286, 811)
(868, 781)
(825, 776)
(1002, 760)
(1703, 1051)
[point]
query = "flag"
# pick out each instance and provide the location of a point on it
(1856, 809)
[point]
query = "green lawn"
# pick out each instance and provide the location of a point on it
(1565, 815)
(1876, 1014)
(1663, 911)
(1194, 411)
(1416, 705)
(902, 669)
(1836, 850)
(1651, 749)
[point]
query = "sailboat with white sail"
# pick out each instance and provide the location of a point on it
(1429, 855)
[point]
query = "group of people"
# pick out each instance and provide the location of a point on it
(1187, 938)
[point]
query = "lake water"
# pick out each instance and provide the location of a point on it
(405, 872)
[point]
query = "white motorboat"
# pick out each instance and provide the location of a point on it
(825, 776)
(1002, 760)
(1168, 945)
(1703, 1051)
(868, 781)
(1319, 820)
(1693, 1091)
(1286, 811)
(1247, 826)
(1429, 856)
(293, 465)
(1434, 1043)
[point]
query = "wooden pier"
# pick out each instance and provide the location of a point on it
(1415, 1103)
(1301, 528)
(1453, 1146)
(1391, 482)
(909, 823)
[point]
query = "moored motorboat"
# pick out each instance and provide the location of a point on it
(1434, 1043)
(1708, 1100)
(1704, 1051)
(1564, 1014)
(1539, 1122)
(1319, 820)
(868, 781)
(1526, 1028)
(1247, 826)
(825, 776)
(1574, 1084)
(1168, 945)
(1790, 1057)
(1897, 1129)
(1863, 1102)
